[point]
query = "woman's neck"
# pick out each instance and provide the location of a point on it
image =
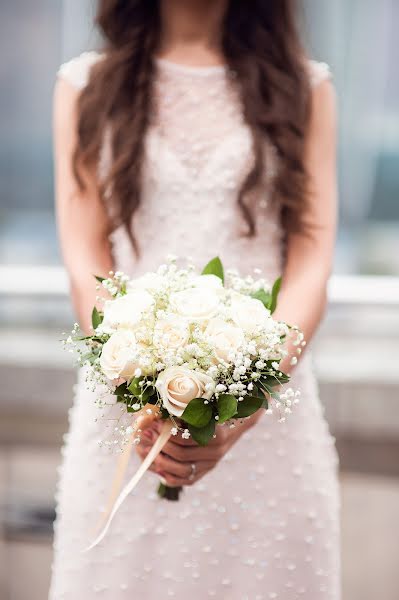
(191, 31)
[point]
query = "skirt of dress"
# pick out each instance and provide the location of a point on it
(263, 524)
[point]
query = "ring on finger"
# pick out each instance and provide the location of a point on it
(193, 471)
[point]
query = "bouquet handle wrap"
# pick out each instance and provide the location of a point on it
(116, 498)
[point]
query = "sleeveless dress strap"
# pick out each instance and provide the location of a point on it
(77, 70)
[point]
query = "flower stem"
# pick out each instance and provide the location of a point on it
(169, 493)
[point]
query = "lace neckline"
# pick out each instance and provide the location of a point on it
(167, 65)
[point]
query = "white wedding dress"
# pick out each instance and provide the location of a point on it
(264, 523)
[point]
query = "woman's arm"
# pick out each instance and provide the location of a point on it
(303, 296)
(309, 255)
(83, 224)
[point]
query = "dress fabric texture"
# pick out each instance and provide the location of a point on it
(264, 523)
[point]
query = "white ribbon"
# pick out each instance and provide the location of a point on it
(149, 459)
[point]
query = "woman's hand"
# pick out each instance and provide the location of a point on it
(183, 462)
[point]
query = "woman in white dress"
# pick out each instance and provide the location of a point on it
(201, 129)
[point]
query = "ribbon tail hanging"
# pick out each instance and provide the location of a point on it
(129, 487)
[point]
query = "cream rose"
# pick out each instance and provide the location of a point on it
(121, 355)
(171, 332)
(127, 311)
(177, 386)
(195, 304)
(250, 314)
(208, 281)
(150, 281)
(224, 337)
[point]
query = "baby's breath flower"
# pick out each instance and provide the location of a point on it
(212, 371)
(220, 387)
(251, 348)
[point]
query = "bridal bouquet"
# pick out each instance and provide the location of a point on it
(195, 350)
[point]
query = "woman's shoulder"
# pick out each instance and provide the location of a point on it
(77, 70)
(318, 72)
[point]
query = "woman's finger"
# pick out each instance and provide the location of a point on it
(201, 469)
(194, 453)
(142, 451)
(168, 465)
(175, 473)
(149, 435)
(164, 464)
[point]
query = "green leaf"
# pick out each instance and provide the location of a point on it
(263, 296)
(96, 318)
(275, 291)
(214, 267)
(99, 279)
(248, 406)
(257, 392)
(269, 300)
(268, 388)
(197, 413)
(91, 357)
(147, 393)
(164, 413)
(121, 390)
(283, 378)
(203, 435)
(227, 407)
(134, 386)
(267, 384)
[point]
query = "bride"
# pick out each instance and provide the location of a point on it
(201, 129)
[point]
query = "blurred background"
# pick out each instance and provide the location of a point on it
(356, 351)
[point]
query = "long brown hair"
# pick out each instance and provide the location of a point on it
(261, 46)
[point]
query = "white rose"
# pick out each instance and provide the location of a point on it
(250, 314)
(177, 386)
(195, 304)
(208, 281)
(121, 355)
(150, 281)
(224, 337)
(171, 332)
(126, 311)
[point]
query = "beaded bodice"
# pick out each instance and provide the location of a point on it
(196, 109)
(198, 151)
